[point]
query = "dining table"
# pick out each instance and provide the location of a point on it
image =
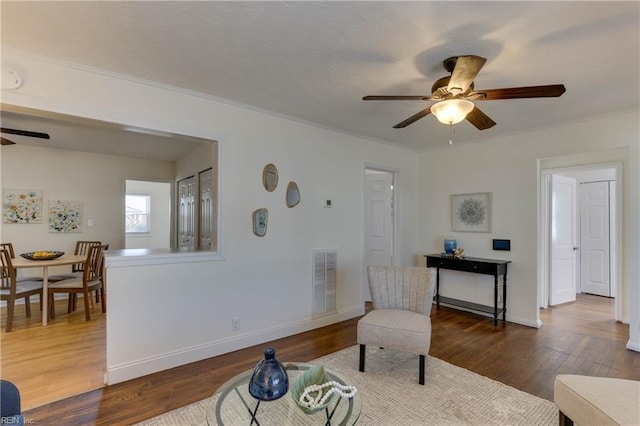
(21, 262)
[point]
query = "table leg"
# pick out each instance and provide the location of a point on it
(253, 415)
(504, 295)
(330, 416)
(45, 295)
(437, 288)
(495, 299)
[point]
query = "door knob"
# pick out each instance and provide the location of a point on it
(576, 248)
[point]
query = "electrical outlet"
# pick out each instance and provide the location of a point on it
(235, 324)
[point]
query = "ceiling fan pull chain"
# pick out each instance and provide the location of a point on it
(451, 133)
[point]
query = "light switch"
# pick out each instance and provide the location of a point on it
(90, 223)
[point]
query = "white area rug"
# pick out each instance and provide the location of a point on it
(391, 395)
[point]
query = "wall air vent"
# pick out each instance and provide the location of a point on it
(324, 282)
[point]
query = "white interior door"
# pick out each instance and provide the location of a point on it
(594, 238)
(187, 212)
(206, 228)
(563, 240)
(378, 220)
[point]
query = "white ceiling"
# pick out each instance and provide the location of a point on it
(314, 61)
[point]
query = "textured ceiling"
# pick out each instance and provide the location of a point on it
(314, 61)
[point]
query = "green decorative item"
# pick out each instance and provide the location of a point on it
(313, 376)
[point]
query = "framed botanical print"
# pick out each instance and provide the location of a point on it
(471, 212)
(65, 216)
(19, 206)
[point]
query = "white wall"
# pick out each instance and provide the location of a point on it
(196, 161)
(266, 282)
(507, 167)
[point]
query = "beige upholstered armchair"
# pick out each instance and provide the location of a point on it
(402, 298)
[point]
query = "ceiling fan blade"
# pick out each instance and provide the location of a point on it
(549, 91)
(414, 118)
(25, 133)
(397, 98)
(5, 141)
(480, 120)
(465, 71)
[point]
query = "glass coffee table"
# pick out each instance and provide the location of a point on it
(233, 405)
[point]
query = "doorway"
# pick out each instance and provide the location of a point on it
(147, 214)
(379, 220)
(581, 223)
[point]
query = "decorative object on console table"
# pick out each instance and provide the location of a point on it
(494, 267)
(471, 212)
(450, 245)
(269, 380)
(458, 253)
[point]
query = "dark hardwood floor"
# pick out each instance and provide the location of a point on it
(578, 338)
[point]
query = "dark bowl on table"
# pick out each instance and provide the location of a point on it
(42, 255)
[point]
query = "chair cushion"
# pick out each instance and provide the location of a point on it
(396, 329)
(598, 400)
(68, 283)
(20, 279)
(23, 287)
(26, 286)
(70, 276)
(73, 283)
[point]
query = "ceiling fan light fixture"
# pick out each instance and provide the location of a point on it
(452, 111)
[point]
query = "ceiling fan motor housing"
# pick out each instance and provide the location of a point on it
(450, 63)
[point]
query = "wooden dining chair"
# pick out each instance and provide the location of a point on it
(105, 247)
(9, 248)
(92, 280)
(82, 248)
(11, 289)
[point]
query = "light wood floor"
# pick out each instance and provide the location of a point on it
(577, 338)
(65, 358)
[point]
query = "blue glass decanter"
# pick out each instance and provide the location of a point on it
(450, 245)
(269, 380)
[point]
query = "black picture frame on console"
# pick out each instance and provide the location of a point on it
(502, 245)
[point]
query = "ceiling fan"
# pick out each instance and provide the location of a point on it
(455, 92)
(5, 141)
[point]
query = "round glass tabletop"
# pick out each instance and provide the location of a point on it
(233, 405)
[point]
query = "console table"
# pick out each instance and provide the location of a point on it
(474, 265)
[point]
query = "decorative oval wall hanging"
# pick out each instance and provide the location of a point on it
(270, 177)
(260, 221)
(293, 194)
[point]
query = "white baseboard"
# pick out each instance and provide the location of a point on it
(633, 345)
(149, 365)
